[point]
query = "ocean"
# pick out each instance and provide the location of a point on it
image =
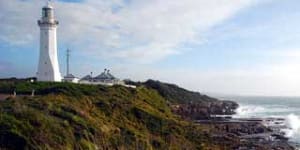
(287, 108)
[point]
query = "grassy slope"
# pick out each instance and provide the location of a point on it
(69, 116)
(174, 93)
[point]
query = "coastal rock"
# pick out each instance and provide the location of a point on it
(204, 110)
(246, 135)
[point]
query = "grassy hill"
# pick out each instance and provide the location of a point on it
(70, 116)
(174, 93)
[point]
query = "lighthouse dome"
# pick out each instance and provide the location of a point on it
(48, 5)
(48, 13)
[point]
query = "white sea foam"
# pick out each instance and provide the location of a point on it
(287, 108)
(293, 123)
(263, 111)
(249, 110)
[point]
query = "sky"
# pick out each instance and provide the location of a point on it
(231, 47)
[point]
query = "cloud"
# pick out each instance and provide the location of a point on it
(276, 80)
(146, 30)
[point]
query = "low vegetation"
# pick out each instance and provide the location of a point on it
(174, 93)
(86, 117)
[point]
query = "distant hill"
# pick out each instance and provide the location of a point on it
(87, 117)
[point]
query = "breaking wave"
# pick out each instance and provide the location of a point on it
(293, 127)
(292, 121)
(286, 108)
(249, 111)
(263, 111)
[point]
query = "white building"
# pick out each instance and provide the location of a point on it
(69, 77)
(86, 79)
(48, 68)
(105, 78)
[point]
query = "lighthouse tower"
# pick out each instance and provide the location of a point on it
(48, 68)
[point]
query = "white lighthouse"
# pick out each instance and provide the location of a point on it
(48, 69)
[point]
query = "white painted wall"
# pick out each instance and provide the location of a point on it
(48, 68)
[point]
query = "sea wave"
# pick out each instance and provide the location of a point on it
(285, 108)
(277, 111)
(249, 110)
(291, 123)
(292, 131)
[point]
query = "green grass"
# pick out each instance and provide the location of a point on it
(86, 117)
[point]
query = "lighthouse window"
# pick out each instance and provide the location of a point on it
(45, 12)
(45, 63)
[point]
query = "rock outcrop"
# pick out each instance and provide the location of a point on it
(205, 110)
